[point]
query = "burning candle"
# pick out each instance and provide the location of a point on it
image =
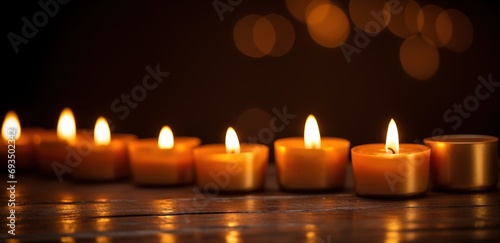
(464, 162)
(392, 169)
(17, 147)
(108, 157)
(163, 161)
(231, 167)
(311, 162)
(55, 149)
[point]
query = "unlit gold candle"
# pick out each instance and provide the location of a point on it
(464, 162)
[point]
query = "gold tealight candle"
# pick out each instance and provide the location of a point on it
(164, 161)
(231, 168)
(312, 162)
(108, 157)
(464, 162)
(391, 169)
(52, 149)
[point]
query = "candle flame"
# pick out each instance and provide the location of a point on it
(232, 143)
(11, 121)
(392, 139)
(102, 134)
(66, 127)
(166, 138)
(312, 138)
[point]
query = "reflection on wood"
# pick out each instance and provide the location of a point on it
(47, 210)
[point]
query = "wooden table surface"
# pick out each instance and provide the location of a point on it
(47, 210)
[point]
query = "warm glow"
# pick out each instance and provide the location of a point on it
(11, 121)
(232, 143)
(102, 135)
(66, 127)
(233, 236)
(392, 140)
(300, 9)
(404, 23)
(243, 35)
(285, 34)
(312, 138)
(257, 36)
(370, 16)
(166, 138)
(264, 35)
(454, 30)
(328, 25)
(426, 23)
(419, 57)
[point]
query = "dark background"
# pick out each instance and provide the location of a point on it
(91, 52)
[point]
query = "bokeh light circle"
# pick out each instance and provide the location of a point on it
(419, 57)
(426, 22)
(328, 25)
(454, 30)
(404, 23)
(285, 34)
(264, 35)
(257, 36)
(370, 16)
(243, 36)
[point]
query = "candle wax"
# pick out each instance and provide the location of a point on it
(464, 162)
(217, 170)
(152, 165)
(104, 162)
(300, 168)
(377, 173)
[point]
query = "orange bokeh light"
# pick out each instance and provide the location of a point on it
(257, 36)
(328, 25)
(243, 36)
(285, 35)
(454, 30)
(404, 24)
(419, 57)
(370, 16)
(300, 8)
(426, 22)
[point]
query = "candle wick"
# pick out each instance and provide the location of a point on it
(392, 150)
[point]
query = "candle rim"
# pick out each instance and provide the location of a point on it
(422, 148)
(446, 139)
(325, 141)
(178, 141)
(245, 148)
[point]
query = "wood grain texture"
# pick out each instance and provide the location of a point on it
(47, 210)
